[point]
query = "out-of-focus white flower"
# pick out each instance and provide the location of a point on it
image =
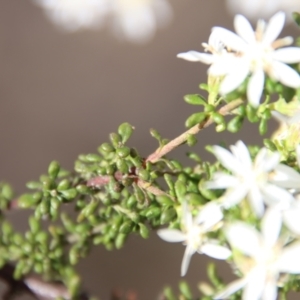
(137, 20)
(264, 258)
(194, 234)
(289, 125)
(251, 180)
(254, 53)
(256, 9)
(72, 15)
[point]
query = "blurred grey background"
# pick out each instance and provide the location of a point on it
(62, 94)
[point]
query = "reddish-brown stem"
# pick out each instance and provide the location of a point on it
(181, 139)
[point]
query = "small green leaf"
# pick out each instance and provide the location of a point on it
(251, 114)
(168, 215)
(194, 119)
(164, 200)
(169, 294)
(143, 174)
(69, 194)
(53, 169)
(93, 157)
(263, 126)
(63, 185)
(180, 189)
(296, 17)
(34, 224)
(106, 147)
(235, 124)
(144, 231)
(115, 139)
(185, 290)
(153, 212)
(191, 140)
(270, 145)
(195, 99)
(122, 166)
(125, 130)
(126, 227)
(7, 191)
(218, 118)
(123, 152)
(26, 201)
(120, 240)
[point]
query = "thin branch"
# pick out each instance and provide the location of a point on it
(152, 189)
(160, 152)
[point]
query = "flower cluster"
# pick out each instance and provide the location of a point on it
(235, 57)
(131, 19)
(253, 213)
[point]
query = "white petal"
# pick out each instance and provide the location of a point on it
(197, 56)
(209, 215)
(231, 289)
(235, 78)
(244, 29)
(271, 226)
(270, 161)
(189, 251)
(291, 219)
(286, 177)
(241, 151)
(230, 39)
(215, 251)
(171, 235)
(270, 289)
(255, 87)
(274, 28)
(221, 66)
(234, 195)
(187, 217)
(228, 160)
(281, 118)
(256, 201)
(255, 285)
(288, 55)
(275, 195)
(289, 261)
(221, 181)
(285, 74)
(244, 237)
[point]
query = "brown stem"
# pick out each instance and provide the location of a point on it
(160, 152)
(151, 189)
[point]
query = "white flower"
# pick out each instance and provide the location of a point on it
(137, 20)
(254, 53)
(249, 179)
(72, 15)
(264, 258)
(194, 234)
(255, 9)
(220, 59)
